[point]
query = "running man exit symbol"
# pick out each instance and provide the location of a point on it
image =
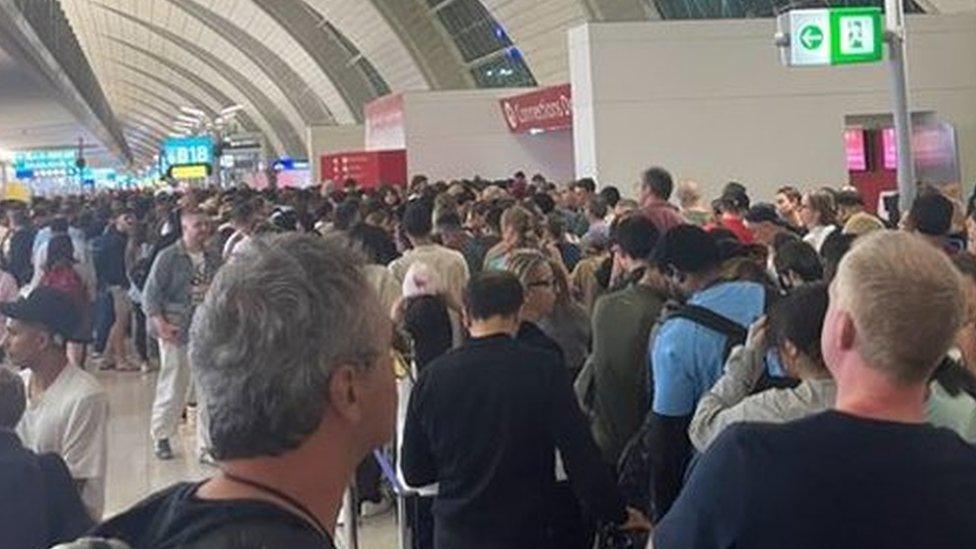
(857, 35)
(855, 30)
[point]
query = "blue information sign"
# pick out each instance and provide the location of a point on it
(44, 163)
(183, 151)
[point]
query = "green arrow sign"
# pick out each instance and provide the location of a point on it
(811, 37)
(834, 36)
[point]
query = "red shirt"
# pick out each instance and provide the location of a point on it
(736, 225)
(662, 214)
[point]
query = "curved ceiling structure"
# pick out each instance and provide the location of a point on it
(298, 63)
(292, 85)
(265, 101)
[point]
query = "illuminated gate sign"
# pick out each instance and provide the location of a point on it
(184, 151)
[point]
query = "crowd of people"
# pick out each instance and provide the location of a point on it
(576, 368)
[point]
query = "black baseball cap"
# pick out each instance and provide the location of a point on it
(46, 307)
(763, 213)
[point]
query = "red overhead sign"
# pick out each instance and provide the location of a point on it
(542, 110)
(368, 168)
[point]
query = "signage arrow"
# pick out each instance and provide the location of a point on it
(811, 37)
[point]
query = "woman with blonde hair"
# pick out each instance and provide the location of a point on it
(538, 280)
(690, 203)
(520, 229)
(568, 323)
(550, 318)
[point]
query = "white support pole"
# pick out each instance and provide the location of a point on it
(895, 34)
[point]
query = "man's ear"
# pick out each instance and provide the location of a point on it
(848, 331)
(345, 394)
(42, 339)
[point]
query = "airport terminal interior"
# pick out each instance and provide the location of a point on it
(487, 274)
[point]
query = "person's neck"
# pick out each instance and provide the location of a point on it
(865, 392)
(48, 367)
(418, 241)
(530, 316)
(192, 247)
(496, 325)
(652, 278)
(937, 241)
(808, 370)
(316, 475)
(698, 282)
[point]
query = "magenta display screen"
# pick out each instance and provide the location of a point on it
(934, 147)
(890, 146)
(857, 160)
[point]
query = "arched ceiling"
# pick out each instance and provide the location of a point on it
(296, 63)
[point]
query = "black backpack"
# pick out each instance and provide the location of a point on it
(633, 467)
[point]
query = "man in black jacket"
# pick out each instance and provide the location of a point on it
(19, 247)
(485, 422)
(39, 505)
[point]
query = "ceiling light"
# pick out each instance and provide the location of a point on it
(192, 110)
(231, 109)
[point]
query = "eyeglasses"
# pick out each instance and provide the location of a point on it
(672, 273)
(547, 283)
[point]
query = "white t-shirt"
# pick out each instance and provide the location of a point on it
(816, 236)
(199, 282)
(70, 418)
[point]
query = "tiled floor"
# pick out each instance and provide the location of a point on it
(133, 471)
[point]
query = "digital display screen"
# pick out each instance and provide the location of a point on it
(857, 160)
(185, 151)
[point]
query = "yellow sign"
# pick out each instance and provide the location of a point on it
(193, 171)
(15, 190)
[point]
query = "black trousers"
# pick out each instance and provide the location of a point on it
(139, 332)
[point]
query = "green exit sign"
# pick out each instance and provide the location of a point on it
(835, 36)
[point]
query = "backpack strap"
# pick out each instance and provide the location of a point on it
(708, 318)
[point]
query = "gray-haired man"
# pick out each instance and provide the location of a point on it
(291, 352)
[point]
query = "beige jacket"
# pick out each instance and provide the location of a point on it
(729, 401)
(447, 263)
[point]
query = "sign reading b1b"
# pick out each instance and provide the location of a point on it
(836, 36)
